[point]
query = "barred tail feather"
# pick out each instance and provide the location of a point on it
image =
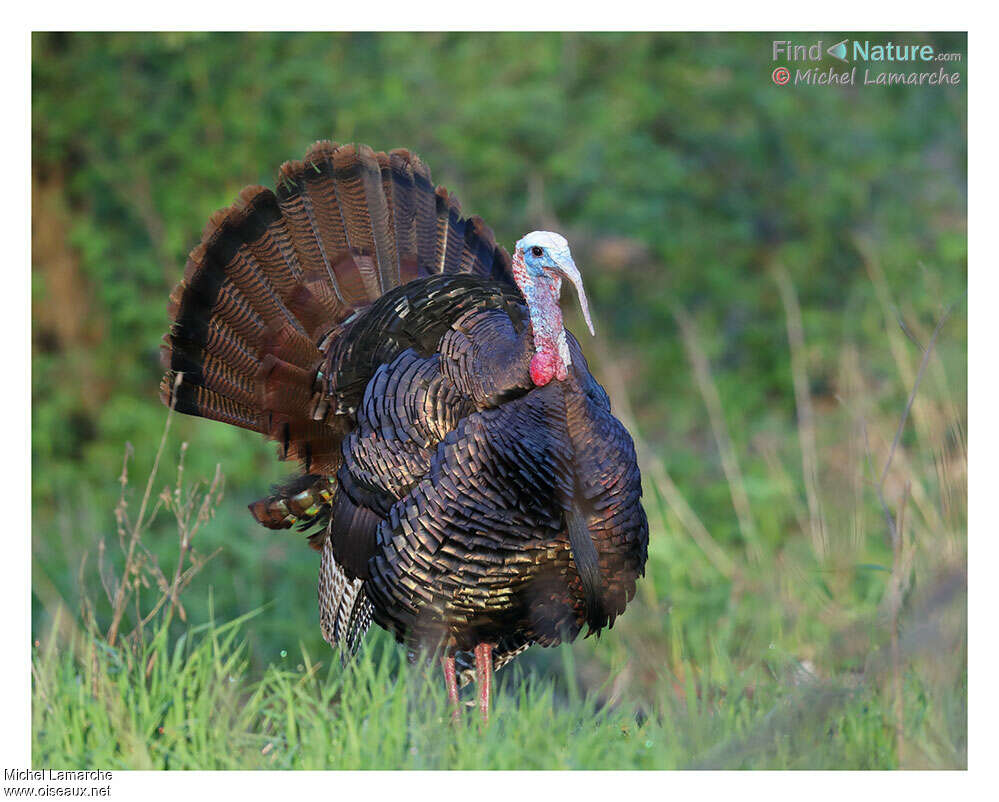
(344, 608)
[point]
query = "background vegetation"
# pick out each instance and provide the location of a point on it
(767, 266)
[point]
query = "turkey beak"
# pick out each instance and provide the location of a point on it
(567, 268)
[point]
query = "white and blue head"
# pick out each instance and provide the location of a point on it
(540, 261)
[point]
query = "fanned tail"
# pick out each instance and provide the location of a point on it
(277, 276)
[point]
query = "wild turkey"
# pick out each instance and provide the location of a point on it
(463, 477)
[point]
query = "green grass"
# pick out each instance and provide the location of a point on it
(192, 704)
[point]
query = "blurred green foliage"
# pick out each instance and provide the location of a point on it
(685, 176)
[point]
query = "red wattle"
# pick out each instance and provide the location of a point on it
(542, 368)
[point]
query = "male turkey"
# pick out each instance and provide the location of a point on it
(463, 477)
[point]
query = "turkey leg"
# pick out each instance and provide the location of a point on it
(484, 677)
(451, 680)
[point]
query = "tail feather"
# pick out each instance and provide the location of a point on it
(274, 253)
(386, 256)
(425, 220)
(344, 608)
(401, 192)
(218, 373)
(357, 178)
(478, 246)
(288, 344)
(395, 270)
(198, 400)
(456, 235)
(297, 203)
(356, 276)
(357, 624)
(284, 388)
(220, 341)
(204, 297)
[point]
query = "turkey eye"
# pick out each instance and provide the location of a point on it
(537, 251)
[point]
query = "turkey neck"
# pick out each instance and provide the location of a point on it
(542, 295)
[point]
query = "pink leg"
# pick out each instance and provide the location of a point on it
(451, 680)
(484, 676)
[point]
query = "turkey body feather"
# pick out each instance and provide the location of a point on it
(381, 340)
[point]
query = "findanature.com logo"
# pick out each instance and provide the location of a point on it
(873, 55)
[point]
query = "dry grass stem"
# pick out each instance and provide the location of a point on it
(806, 413)
(191, 506)
(712, 401)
